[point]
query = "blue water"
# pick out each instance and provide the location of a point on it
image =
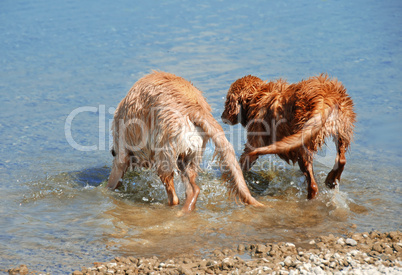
(59, 58)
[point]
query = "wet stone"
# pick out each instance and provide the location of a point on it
(22, 270)
(377, 247)
(185, 270)
(374, 234)
(241, 248)
(133, 259)
(394, 236)
(397, 247)
(227, 263)
(261, 248)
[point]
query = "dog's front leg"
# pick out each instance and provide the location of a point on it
(170, 190)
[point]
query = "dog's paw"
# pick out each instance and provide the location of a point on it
(332, 184)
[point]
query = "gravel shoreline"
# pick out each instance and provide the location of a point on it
(356, 253)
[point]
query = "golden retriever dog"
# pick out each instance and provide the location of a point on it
(292, 121)
(164, 123)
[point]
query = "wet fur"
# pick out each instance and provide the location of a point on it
(164, 123)
(292, 121)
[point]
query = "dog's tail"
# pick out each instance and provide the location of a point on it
(230, 168)
(302, 137)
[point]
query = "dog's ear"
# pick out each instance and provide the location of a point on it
(232, 108)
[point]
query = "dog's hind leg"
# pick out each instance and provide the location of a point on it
(188, 172)
(170, 190)
(306, 166)
(335, 174)
(192, 190)
(246, 161)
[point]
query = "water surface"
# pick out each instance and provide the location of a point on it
(60, 58)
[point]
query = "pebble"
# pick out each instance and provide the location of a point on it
(288, 261)
(340, 241)
(260, 248)
(350, 242)
(22, 269)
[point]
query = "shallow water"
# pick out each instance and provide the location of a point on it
(64, 66)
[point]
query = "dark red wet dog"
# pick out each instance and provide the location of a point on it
(292, 121)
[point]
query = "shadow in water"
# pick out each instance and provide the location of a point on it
(93, 176)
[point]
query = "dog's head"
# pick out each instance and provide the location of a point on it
(238, 99)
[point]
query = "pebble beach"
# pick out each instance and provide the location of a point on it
(355, 253)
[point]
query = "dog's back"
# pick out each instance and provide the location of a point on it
(312, 97)
(291, 106)
(155, 114)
